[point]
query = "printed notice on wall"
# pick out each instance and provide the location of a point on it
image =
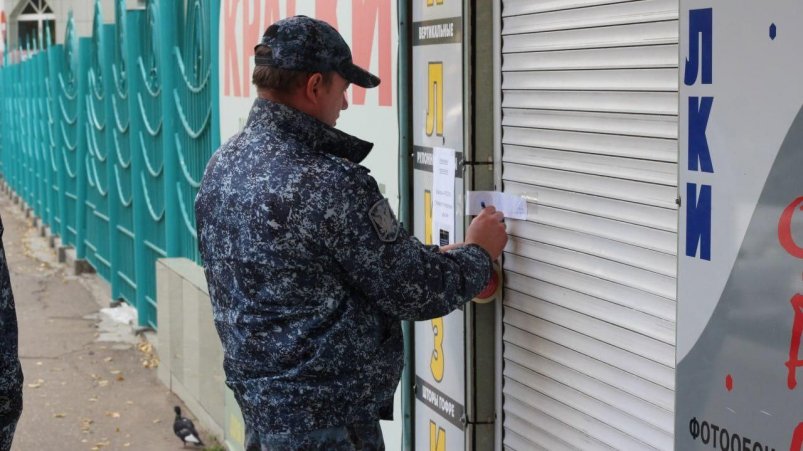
(443, 169)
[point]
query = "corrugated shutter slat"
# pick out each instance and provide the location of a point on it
(654, 33)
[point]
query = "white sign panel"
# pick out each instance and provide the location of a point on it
(438, 212)
(370, 29)
(740, 260)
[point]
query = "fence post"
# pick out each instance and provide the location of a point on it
(55, 55)
(133, 25)
(122, 205)
(167, 29)
(27, 139)
(84, 49)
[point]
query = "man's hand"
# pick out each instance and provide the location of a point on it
(487, 230)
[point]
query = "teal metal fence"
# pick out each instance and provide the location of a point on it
(106, 138)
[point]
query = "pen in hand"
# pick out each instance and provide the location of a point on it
(482, 204)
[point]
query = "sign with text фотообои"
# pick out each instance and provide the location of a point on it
(740, 268)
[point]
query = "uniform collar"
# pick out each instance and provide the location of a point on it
(308, 130)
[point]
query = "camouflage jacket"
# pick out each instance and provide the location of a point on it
(10, 369)
(310, 274)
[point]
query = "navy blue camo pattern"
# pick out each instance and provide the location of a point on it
(10, 369)
(310, 274)
(366, 436)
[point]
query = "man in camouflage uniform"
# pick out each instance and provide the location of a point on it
(308, 269)
(10, 369)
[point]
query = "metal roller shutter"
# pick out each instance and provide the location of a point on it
(589, 136)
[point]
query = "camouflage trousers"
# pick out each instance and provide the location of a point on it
(364, 436)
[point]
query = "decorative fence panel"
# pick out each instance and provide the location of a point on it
(106, 138)
(146, 144)
(97, 150)
(124, 283)
(38, 135)
(192, 95)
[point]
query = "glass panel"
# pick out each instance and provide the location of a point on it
(27, 29)
(30, 8)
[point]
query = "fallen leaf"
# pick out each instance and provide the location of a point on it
(103, 383)
(120, 377)
(130, 403)
(114, 371)
(38, 363)
(126, 445)
(108, 359)
(59, 415)
(37, 384)
(86, 424)
(157, 421)
(93, 399)
(113, 414)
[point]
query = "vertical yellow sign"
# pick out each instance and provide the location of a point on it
(435, 99)
(437, 437)
(437, 363)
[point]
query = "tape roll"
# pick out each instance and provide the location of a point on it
(494, 288)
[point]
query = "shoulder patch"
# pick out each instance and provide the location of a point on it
(384, 221)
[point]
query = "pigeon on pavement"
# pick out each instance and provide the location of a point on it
(185, 430)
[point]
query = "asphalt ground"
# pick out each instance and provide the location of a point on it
(90, 382)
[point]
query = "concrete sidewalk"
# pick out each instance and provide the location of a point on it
(90, 382)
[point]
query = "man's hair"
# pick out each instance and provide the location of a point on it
(282, 80)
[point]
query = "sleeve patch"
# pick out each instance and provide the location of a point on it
(384, 221)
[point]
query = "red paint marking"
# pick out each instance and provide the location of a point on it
(797, 439)
(785, 228)
(729, 382)
(368, 16)
(794, 343)
(231, 79)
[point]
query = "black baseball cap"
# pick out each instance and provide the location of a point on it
(301, 43)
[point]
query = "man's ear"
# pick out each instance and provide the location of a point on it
(313, 87)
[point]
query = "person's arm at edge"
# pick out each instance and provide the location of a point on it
(10, 368)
